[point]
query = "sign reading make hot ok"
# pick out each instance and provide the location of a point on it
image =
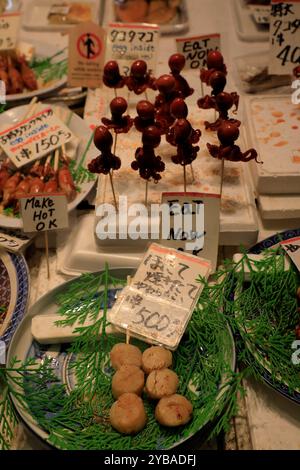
(42, 213)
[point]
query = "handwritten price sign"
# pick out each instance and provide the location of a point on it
(41, 213)
(127, 43)
(284, 36)
(195, 49)
(9, 31)
(159, 302)
(34, 138)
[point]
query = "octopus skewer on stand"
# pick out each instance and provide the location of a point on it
(140, 79)
(176, 64)
(179, 110)
(106, 162)
(146, 117)
(215, 62)
(224, 102)
(146, 162)
(184, 138)
(217, 82)
(118, 122)
(167, 94)
(228, 133)
(112, 77)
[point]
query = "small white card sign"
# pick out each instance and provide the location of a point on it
(86, 55)
(292, 248)
(44, 212)
(10, 25)
(194, 224)
(159, 302)
(34, 138)
(195, 49)
(13, 241)
(284, 36)
(129, 42)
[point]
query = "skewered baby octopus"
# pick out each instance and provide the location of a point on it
(146, 117)
(217, 82)
(140, 79)
(106, 161)
(224, 102)
(179, 110)
(228, 133)
(146, 162)
(16, 84)
(176, 64)
(215, 62)
(4, 175)
(111, 75)
(184, 138)
(167, 93)
(119, 123)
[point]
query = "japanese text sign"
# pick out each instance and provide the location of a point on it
(159, 302)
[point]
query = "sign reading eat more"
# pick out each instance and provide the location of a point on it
(46, 212)
(195, 49)
(9, 31)
(284, 37)
(34, 138)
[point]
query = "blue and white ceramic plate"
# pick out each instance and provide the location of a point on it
(279, 386)
(14, 293)
(23, 346)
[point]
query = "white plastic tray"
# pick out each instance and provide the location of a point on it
(273, 125)
(35, 16)
(246, 27)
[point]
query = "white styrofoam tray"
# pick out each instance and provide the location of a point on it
(281, 207)
(246, 26)
(273, 129)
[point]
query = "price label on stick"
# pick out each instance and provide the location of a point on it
(13, 241)
(10, 24)
(192, 224)
(292, 248)
(159, 302)
(129, 42)
(41, 213)
(86, 55)
(284, 37)
(195, 49)
(34, 138)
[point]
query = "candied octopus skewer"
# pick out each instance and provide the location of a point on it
(9, 188)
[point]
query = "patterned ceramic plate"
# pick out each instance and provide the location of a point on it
(62, 361)
(267, 376)
(14, 293)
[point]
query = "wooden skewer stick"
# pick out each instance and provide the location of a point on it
(47, 253)
(202, 89)
(184, 177)
(115, 91)
(146, 193)
(112, 188)
(115, 143)
(129, 279)
(222, 176)
(193, 174)
(146, 95)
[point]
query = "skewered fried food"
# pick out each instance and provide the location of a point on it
(161, 383)
(156, 358)
(128, 379)
(173, 411)
(125, 354)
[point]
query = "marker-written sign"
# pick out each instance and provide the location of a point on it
(284, 36)
(86, 55)
(129, 42)
(159, 301)
(44, 212)
(195, 49)
(194, 224)
(35, 137)
(292, 248)
(10, 24)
